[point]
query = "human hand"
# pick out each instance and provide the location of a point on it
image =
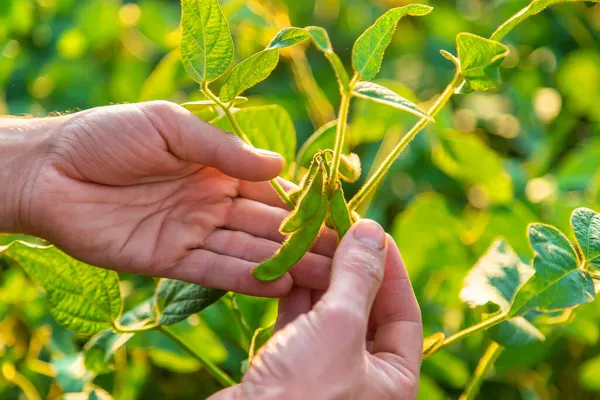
(149, 188)
(361, 340)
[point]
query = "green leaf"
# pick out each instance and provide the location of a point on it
(480, 60)
(100, 349)
(465, 157)
(248, 73)
(206, 43)
(267, 127)
(495, 279)
(71, 374)
(368, 50)
(586, 225)
(177, 300)
(558, 282)
(82, 298)
(260, 337)
(288, 37)
(380, 94)
(535, 7)
(321, 40)
(322, 139)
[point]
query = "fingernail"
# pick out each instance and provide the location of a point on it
(370, 233)
(268, 153)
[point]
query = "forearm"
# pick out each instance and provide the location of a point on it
(22, 150)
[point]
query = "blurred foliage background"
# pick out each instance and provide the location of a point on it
(493, 163)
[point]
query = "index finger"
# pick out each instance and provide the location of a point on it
(397, 317)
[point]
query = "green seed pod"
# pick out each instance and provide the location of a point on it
(296, 245)
(307, 205)
(303, 186)
(350, 167)
(340, 215)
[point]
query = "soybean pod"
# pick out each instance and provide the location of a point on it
(296, 245)
(338, 210)
(312, 171)
(308, 204)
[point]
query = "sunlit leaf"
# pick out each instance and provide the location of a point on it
(480, 60)
(260, 337)
(177, 300)
(288, 37)
(535, 7)
(380, 94)
(495, 278)
(248, 73)
(267, 127)
(82, 298)
(206, 43)
(586, 225)
(558, 281)
(368, 50)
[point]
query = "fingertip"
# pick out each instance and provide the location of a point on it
(263, 165)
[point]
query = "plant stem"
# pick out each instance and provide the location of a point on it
(482, 326)
(483, 368)
(340, 134)
(240, 133)
(378, 176)
(215, 371)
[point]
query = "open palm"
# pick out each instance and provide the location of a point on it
(151, 189)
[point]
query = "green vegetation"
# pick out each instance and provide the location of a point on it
(501, 293)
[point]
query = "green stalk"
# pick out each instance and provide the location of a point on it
(215, 371)
(482, 326)
(378, 176)
(483, 368)
(240, 133)
(340, 134)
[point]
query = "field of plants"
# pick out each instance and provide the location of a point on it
(470, 130)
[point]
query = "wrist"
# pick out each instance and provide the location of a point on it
(23, 144)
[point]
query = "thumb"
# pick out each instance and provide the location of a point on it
(191, 139)
(357, 271)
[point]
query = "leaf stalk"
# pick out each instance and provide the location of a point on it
(482, 370)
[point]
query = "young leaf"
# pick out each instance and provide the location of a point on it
(82, 298)
(321, 40)
(558, 281)
(268, 127)
(288, 37)
(586, 225)
(535, 7)
(206, 43)
(380, 94)
(100, 349)
(367, 53)
(177, 300)
(248, 73)
(480, 60)
(495, 279)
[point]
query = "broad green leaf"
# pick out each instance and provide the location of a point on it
(267, 127)
(177, 300)
(82, 298)
(535, 7)
(248, 73)
(480, 60)
(100, 349)
(260, 337)
(368, 50)
(495, 279)
(380, 94)
(288, 37)
(206, 43)
(586, 225)
(323, 138)
(321, 40)
(558, 282)
(465, 157)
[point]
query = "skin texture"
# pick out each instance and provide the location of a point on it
(361, 339)
(149, 188)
